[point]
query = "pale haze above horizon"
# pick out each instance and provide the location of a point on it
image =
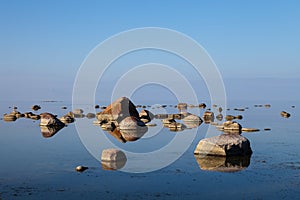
(254, 44)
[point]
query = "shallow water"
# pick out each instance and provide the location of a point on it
(35, 167)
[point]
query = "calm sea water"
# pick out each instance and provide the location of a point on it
(35, 167)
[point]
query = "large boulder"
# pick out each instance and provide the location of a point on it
(224, 145)
(48, 119)
(118, 110)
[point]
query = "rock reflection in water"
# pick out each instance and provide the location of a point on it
(49, 131)
(113, 165)
(223, 163)
(129, 134)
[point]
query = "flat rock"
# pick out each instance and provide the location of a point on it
(224, 145)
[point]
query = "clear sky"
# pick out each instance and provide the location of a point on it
(43, 43)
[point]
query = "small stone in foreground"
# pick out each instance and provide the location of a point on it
(81, 168)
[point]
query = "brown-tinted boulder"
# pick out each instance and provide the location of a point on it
(118, 110)
(224, 145)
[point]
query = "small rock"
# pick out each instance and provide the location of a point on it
(182, 106)
(168, 121)
(285, 114)
(250, 130)
(77, 111)
(239, 109)
(240, 117)
(202, 105)
(9, 118)
(97, 106)
(146, 116)
(90, 115)
(220, 109)
(208, 117)
(175, 126)
(35, 107)
(232, 127)
(219, 117)
(64, 107)
(81, 168)
(267, 129)
(229, 117)
(267, 106)
(192, 118)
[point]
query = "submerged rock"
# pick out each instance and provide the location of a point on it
(224, 145)
(90, 115)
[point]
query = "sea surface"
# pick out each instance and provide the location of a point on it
(37, 167)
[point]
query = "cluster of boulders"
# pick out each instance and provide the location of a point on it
(229, 151)
(14, 115)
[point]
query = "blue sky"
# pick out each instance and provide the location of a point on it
(43, 43)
